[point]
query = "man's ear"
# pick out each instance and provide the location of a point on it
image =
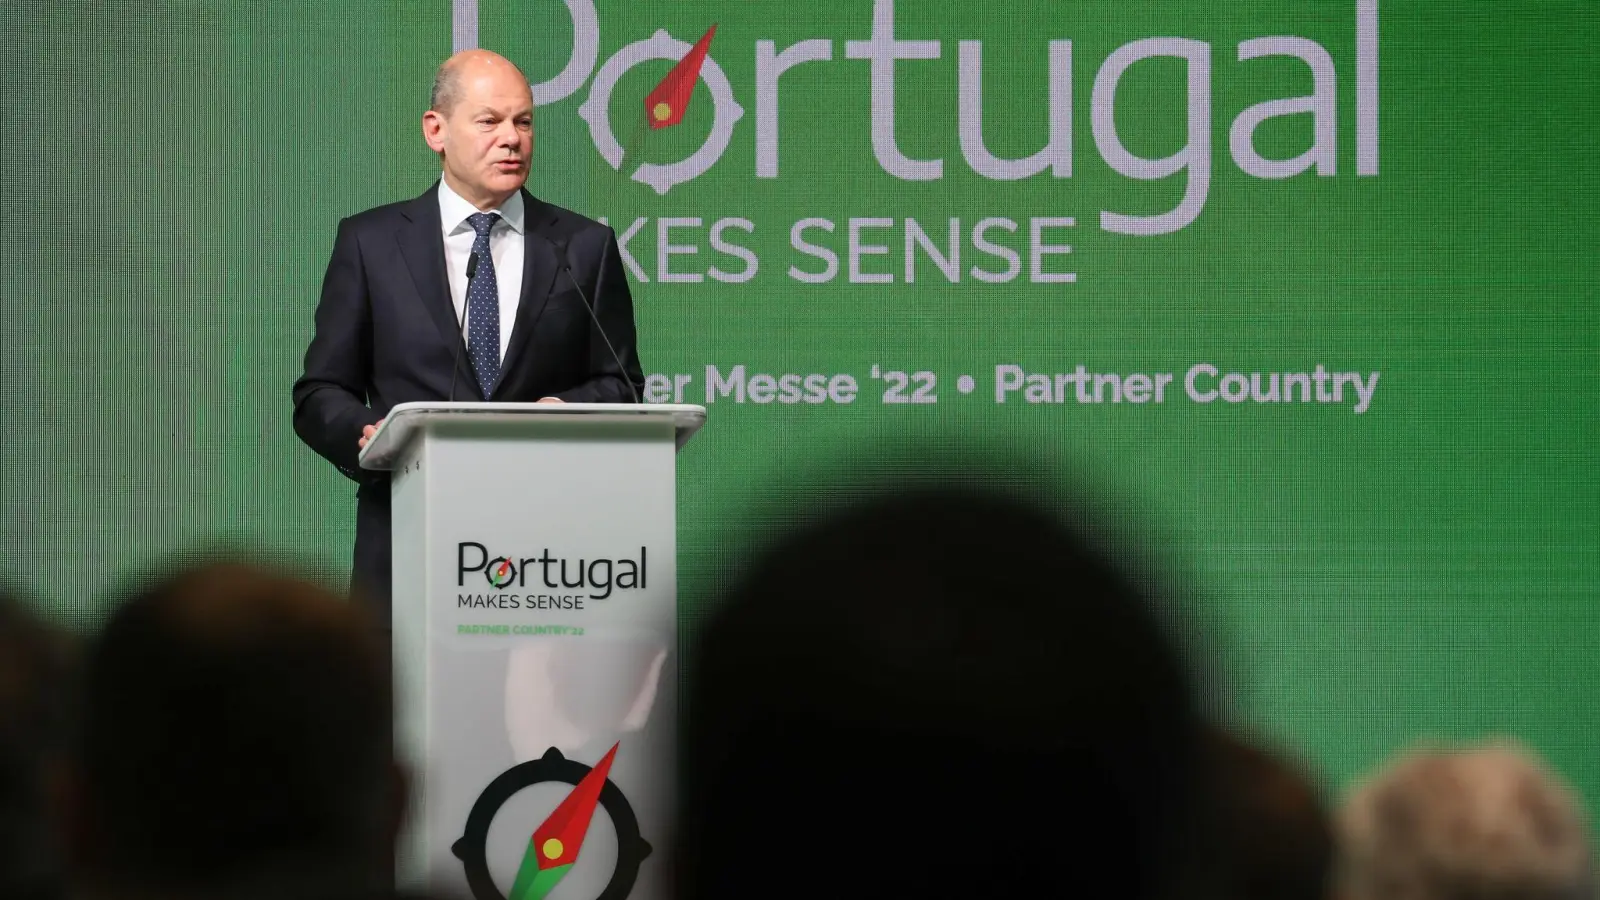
(433, 130)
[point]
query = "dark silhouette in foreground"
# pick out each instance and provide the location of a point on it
(236, 743)
(937, 692)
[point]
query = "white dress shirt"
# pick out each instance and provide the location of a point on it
(505, 246)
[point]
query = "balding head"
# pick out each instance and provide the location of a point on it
(481, 125)
(1489, 822)
(464, 66)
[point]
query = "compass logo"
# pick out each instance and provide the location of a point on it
(500, 572)
(554, 846)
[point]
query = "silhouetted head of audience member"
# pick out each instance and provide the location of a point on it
(1270, 837)
(1472, 823)
(939, 691)
(236, 741)
(37, 667)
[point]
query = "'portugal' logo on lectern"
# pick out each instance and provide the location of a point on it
(554, 846)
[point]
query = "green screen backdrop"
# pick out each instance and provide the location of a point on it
(1096, 230)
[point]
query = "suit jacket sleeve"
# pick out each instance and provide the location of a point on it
(606, 283)
(330, 397)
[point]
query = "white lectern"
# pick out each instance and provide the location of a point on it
(535, 638)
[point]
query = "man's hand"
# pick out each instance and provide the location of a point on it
(551, 400)
(367, 433)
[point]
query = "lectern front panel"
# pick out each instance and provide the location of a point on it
(535, 620)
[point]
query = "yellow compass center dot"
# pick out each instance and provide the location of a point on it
(552, 848)
(662, 112)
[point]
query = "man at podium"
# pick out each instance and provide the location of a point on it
(475, 290)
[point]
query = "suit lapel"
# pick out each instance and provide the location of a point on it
(539, 268)
(422, 247)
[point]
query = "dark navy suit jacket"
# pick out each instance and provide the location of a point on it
(386, 333)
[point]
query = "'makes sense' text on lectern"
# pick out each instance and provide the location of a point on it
(535, 630)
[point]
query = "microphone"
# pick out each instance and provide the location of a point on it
(566, 266)
(461, 323)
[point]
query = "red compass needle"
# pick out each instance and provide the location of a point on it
(556, 842)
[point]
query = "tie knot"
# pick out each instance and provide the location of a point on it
(482, 222)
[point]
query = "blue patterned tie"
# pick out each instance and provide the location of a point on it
(483, 308)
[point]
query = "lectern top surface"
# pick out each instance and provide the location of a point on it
(406, 420)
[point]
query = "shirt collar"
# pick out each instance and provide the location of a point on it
(454, 210)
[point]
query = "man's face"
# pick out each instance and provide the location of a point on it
(487, 136)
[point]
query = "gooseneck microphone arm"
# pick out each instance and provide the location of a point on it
(566, 266)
